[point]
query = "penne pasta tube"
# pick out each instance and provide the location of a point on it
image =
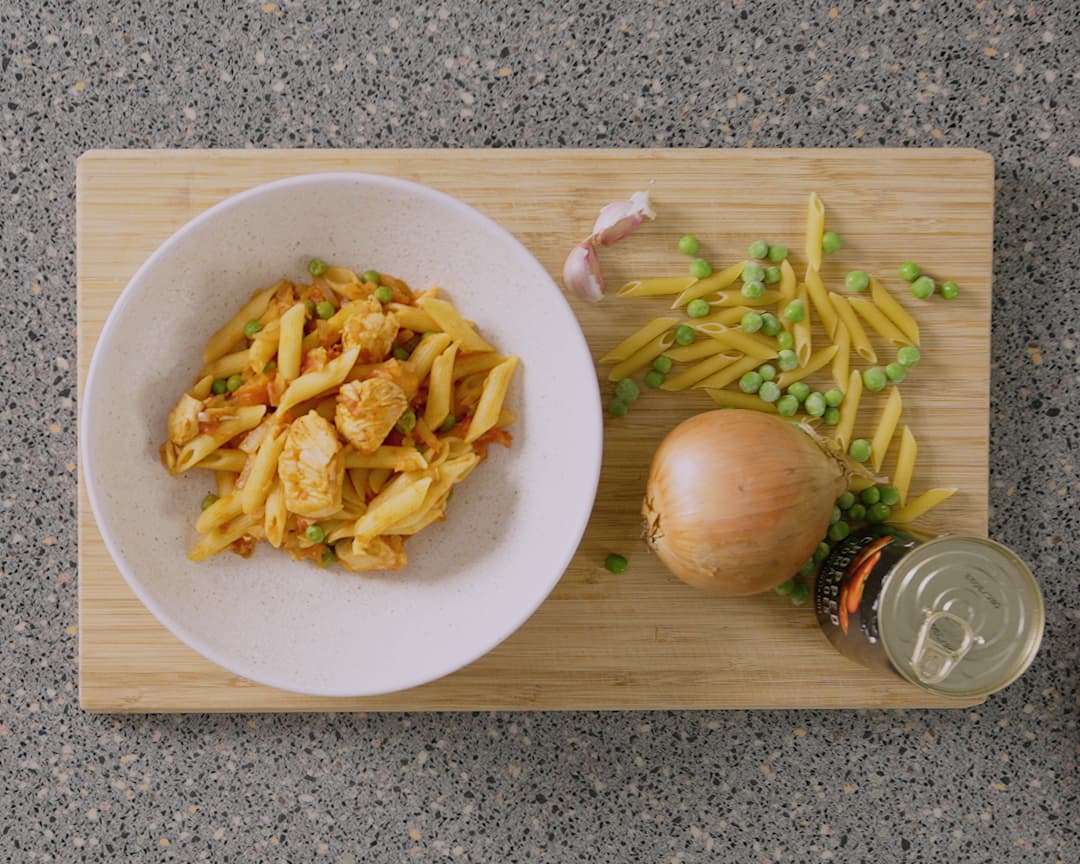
(290, 341)
(711, 284)
(221, 511)
(440, 387)
(316, 383)
(869, 312)
(886, 427)
(224, 459)
(358, 477)
(202, 388)
(220, 539)
(815, 288)
(732, 399)
(226, 365)
(469, 364)
(787, 282)
(638, 339)
(695, 350)
(849, 410)
(905, 464)
(857, 483)
(392, 458)
(263, 347)
(815, 228)
(642, 357)
(859, 340)
(801, 329)
(656, 286)
(413, 318)
(491, 399)
(202, 445)
(699, 371)
(894, 311)
(263, 471)
(392, 504)
(449, 321)
(233, 331)
(377, 478)
(842, 357)
(728, 316)
(818, 360)
(720, 380)
(733, 298)
(920, 506)
(748, 343)
(276, 516)
(225, 481)
(430, 347)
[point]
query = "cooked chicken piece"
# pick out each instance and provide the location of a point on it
(184, 420)
(371, 329)
(367, 411)
(401, 373)
(312, 467)
(314, 361)
(382, 553)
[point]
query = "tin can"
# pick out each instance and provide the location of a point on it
(957, 616)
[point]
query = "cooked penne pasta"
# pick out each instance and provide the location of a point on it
(719, 380)
(263, 471)
(276, 516)
(412, 318)
(818, 360)
(656, 286)
(919, 506)
(387, 456)
(224, 459)
(469, 364)
(228, 336)
(395, 502)
(430, 347)
(815, 288)
(801, 329)
(872, 315)
(733, 399)
(315, 383)
(221, 511)
(290, 341)
(894, 311)
(202, 388)
(886, 427)
(859, 340)
(449, 321)
(202, 445)
(842, 357)
(711, 284)
(905, 464)
(223, 537)
(263, 347)
(639, 339)
(815, 228)
(226, 365)
(224, 481)
(642, 357)
(491, 400)
(699, 371)
(849, 411)
(440, 387)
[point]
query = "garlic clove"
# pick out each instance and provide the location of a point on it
(622, 218)
(581, 273)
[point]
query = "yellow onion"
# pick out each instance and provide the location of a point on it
(738, 500)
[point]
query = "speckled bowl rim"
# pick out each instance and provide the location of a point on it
(591, 420)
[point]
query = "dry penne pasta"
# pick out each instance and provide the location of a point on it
(788, 284)
(842, 357)
(818, 360)
(919, 506)
(849, 410)
(642, 357)
(695, 350)
(815, 229)
(639, 339)
(747, 343)
(711, 284)
(732, 298)
(815, 288)
(801, 329)
(656, 286)
(894, 311)
(886, 427)
(905, 464)
(728, 316)
(699, 371)
(872, 315)
(719, 380)
(859, 340)
(733, 399)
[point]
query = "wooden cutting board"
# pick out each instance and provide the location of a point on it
(640, 640)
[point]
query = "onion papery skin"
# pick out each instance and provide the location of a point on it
(738, 500)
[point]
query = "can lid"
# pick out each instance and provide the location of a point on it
(961, 616)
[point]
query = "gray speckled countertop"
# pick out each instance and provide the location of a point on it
(998, 783)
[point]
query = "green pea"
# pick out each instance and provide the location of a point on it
(233, 382)
(315, 533)
(799, 594)
(822, 552)
(839, 531)
(923, 287)
(617, 408)
(662, 364)
(751, 322)
(908, 356)
(859, 450)
(750, 382)
(870, 496)
(653, 378)
(834, 397)
(785, 588)
(384, 294)
(909, 271)
(835, 516)
(697, 308)
(772, 275)
(845, 501)
(689, 245)
(310, 306)
(800, 390)
(878, 512)
(787, 360)
(770, 324)
(857, 513)
(896, 372)
(325, 309)
(787, 406)
(269, 367)
(328, 554)
(807, 569)
(371, 276)
(815, 405)
(753, 272)
(406, 422)
(700, 268)
(889, 495)
(758, 249)
(857, 280)
(777, 253)
(950, 290)
(316, 266)
(784, 339)
(448, 423)
(832, 416)
(767, 372)
(874, 378)
(219, 386)
(831, 242)
(752, 290)
(401, 352)
(208, 501)
(627, 390)
(252, 327)
(684, 334)
(795, 311)
(616, 564)
(769, 391)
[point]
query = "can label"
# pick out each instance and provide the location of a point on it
(848, 586)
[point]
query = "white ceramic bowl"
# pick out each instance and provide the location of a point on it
(471, 580)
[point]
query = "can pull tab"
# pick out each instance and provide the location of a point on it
(934, 661)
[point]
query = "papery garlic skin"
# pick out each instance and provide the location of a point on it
(621, 219)
(581, 273)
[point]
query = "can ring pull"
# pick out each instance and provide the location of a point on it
(933, 661)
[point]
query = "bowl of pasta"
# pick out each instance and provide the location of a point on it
(341, 434)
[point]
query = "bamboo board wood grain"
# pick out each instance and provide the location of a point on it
(641, 640)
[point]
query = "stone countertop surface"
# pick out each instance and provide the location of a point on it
(995, 783)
